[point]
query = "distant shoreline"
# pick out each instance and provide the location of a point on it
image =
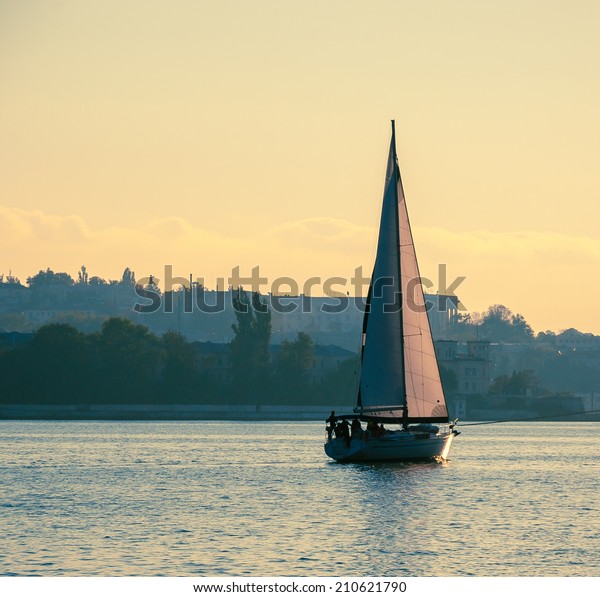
(226, 412)
(172, 412)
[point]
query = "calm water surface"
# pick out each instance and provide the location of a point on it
(222, 498)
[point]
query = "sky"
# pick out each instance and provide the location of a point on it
(209, 135)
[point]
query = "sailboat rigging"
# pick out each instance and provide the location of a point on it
(399, 376)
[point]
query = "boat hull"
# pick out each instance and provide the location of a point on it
(394, 446)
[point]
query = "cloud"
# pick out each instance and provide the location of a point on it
(324, 231)
(33, 236)
(523, 245)
(540, 274)
(20, 225)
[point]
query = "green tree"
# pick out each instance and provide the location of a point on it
(83, 276)
(249, 349)
(129, 358)
(128, 278)
(497, 324)
(291, 368)
(339, 388)
(517, 384)
(500, 324)
(262, 335)
(463, 327)
(97, 281)
(53, 369)
(44, 279)
(180, 380)
(521, 329)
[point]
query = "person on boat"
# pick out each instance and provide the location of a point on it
(372, 429)
(355, 429)
(405, 418)
(345, 431)
(330, 425)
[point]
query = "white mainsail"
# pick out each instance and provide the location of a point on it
(399, 372)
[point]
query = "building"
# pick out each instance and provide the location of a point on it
(328, 320)
(12, 295)
(472, 368)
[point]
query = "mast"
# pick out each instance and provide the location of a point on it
(401, 298)
(362, 342)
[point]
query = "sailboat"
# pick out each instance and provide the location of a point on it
(399, 382)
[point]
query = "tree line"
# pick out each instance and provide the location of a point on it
(497, 324)
(125, 363)
(48, 278)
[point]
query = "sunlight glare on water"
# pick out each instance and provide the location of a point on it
(261, 499)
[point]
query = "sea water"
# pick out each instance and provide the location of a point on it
(260, 499)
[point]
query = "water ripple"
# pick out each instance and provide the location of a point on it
(147, 498)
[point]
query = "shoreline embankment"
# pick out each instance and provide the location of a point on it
(169, 412)
(232, 412)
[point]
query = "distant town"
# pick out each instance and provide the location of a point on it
(81, 346)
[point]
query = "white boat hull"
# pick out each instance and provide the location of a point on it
(394, 446)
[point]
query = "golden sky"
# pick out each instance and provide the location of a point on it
(213, 134)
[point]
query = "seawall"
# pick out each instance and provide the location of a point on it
(174, 412)
(228, 412)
